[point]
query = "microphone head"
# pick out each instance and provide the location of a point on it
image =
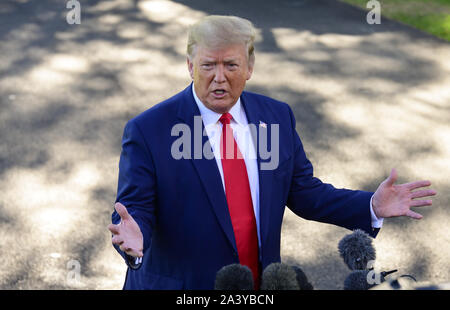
(356, 250)
(278, 276)
(234, 277)
(302, 280)
(358, 280)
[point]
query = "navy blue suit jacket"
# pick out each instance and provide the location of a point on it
(180, 205)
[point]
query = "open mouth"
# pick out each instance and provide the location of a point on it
(219, 93)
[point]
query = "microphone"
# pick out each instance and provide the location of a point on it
(234, 277)
(356, 250)
(279, 276)
(433, 287)
(358, 280)
(302, 280)
(403, 282)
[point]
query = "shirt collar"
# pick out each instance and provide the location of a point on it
(210, 117)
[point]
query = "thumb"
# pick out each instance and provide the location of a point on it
(392, 177)
(122, 211)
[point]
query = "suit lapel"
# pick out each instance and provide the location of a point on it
(265, 176)
(206, 168)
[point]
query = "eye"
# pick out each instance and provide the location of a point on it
(232, 66)
(206, 66)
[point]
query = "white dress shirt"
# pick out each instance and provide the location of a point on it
(242, 135)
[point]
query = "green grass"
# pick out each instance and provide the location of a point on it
(431, 16)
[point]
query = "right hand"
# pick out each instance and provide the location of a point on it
(127, 234)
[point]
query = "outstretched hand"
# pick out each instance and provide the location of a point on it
(127, 234)
(392, 200)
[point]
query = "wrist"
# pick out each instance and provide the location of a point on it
(374, 208)
(377, 221)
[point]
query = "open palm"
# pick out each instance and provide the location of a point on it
(392, 200)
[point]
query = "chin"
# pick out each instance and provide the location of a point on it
(220, 107)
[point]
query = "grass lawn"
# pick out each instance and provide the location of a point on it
(432, 16)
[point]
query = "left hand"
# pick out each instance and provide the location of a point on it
(127, 234)
(392, 200)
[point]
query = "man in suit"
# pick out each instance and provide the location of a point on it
(181, 214)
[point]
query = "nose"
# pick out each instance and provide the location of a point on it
(219, 76)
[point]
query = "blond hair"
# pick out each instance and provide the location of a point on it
(219, 31)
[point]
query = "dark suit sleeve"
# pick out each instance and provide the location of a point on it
(312, 199)
(137, 183)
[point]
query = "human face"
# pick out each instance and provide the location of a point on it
(219, 75)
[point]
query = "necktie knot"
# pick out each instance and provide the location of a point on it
(225, 119)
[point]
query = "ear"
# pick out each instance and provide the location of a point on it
(250, 70)
(251, 64)
(190, 67)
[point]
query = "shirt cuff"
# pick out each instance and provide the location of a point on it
(133, 262)
(376, 222)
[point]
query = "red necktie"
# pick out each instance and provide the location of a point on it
(239, 199)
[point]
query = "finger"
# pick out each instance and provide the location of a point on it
(414, 215)
(423, 193)
(130, 251)
(421, 203)
(118, 240)
(122, 211)
(134, 253)
(124, 248)
(417, 184)
(114, 229)
(392, 177)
